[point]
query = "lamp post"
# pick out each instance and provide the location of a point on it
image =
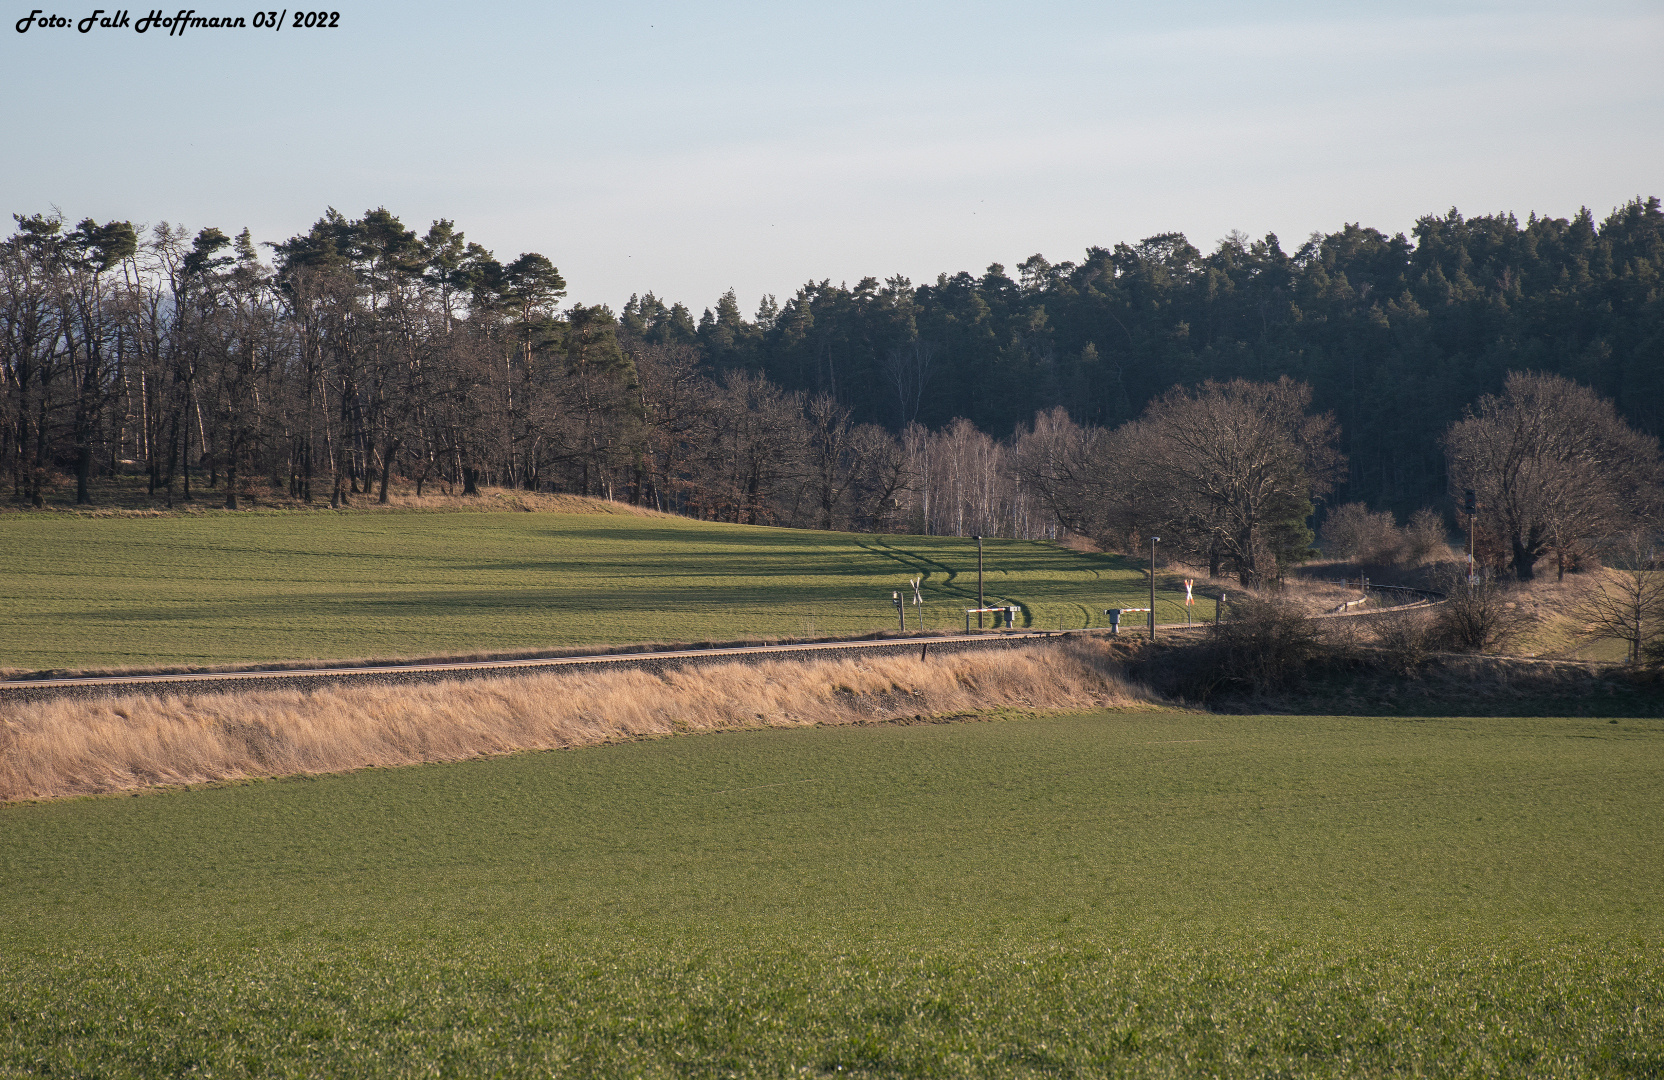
(1470, 506)
(979, 603)
(1153, 540)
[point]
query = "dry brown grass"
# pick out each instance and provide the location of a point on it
(1085, 545)
(1554, 630)
(88, 747)
(1309, 596)
(492, 499)
(126, 497)
(1320, 597)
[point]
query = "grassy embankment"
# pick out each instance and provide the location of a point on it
(1550, 625)
(85, 746)
(110, 592)
(1142, 893)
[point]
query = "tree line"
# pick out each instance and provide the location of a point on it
(1395, 334)
(1150, 390)
(362, 350)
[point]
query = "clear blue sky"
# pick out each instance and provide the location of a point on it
(686, 148)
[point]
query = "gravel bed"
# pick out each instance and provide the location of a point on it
(657, 663)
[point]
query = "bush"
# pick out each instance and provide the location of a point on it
(1478, 617)
(1425, 537)
(1354, 533)
(1266, 644)
(1406, 640)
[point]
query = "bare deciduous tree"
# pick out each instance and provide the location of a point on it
(908, 368)
(755, 450)
(1553, 466)
(1229, 469)
(1068, 469)
(831, 470)
(1628, 604)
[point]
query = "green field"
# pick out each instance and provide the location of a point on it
(1142, 893)
(82, 591)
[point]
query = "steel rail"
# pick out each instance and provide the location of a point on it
(466, 667)
(462, 666)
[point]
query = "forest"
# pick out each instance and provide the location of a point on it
(361, 350)
(1396, 335)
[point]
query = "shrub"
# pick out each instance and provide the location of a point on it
(1425, 537)
(1478, 617)
(1405, 640)
(1265, 644)
(1359, 535)
(1355, 533)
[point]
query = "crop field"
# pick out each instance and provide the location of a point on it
(1146, 893)
(84, 592)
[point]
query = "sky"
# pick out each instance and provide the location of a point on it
(685, 148)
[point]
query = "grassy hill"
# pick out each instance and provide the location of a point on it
(132, 591)
(1138, 893)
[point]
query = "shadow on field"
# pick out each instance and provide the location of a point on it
(1476, 687)
(1329, 681)
(787, 558)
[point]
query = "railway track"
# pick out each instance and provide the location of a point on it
(208, 682)
(389, 674)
